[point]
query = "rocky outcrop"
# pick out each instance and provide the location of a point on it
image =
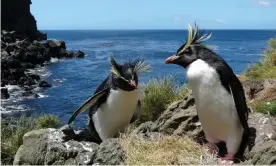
(66, 146)
(21, 49)
(16, 16)
(46, 147)
(18, 56)
(259, 90)
(181, 119)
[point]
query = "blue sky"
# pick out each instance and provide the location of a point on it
(154, 14)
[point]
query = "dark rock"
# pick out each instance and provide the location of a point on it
(35, 77)
(79, 54)
(30, 94)
(22, 43)
(4, 55)
(44, 84)
(26, 81)
(4, 93)
(46, 147)
(17, 17)
(14, 64)
(58, 44)
(17, 74)
(10, 47)
(8, 39)
(19, 54)
(28, 65)
(66, 54)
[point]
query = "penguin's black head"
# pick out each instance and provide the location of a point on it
(189, 51)
(125, 76)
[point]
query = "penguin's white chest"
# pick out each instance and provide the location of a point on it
(215, 106)
(114, 115)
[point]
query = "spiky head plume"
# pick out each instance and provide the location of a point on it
(137, 66)
(114, 66)
(195, 37)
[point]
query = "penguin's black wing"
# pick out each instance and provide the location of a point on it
(239, 98)
(99, 97)
(136, 113)
(232, 84)
(90, 102)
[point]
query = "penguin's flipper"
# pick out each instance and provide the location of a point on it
(90, 102)
(237, 92)
(136, 113)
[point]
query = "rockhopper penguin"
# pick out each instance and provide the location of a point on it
(219, 95)
(115, 102)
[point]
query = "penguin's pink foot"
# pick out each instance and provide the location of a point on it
(228, 159)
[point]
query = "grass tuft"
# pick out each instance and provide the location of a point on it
(158, 93)
(12, 133)
(166, 150)
(49, 121)
(266, 107)
(266, 68)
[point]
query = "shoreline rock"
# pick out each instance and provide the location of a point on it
(19, 56)
(17, 18)
(22, 48)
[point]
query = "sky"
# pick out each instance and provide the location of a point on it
(153, 14)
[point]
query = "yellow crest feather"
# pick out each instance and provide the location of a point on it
(114, 67)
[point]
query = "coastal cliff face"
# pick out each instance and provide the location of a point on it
(16, 16)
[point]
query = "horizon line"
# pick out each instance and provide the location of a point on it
(141, 29)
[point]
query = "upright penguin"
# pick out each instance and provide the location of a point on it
(116, 102)
(218, 93)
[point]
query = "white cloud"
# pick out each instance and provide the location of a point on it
(221, 21)
(264, 2)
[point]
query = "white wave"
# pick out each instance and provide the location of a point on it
(14, 108)
(54, 60)
(12, 88)
(41, 95)
(41, 71)
(59, 80)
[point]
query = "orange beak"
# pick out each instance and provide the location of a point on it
(171, 59)
(133, 84)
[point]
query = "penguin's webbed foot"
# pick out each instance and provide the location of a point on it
(228, 159)
(68, 132)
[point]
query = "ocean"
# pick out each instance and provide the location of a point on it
(74, 80)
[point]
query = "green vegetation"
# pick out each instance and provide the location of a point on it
(12, 133)
(266, 107)
(158, 93)
(266, 68)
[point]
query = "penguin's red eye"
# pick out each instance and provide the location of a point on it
(187, 51)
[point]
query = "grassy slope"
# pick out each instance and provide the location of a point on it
(265, 68)
(158, 94)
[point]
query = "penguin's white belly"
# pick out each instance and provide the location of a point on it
(215, 106)
(113, 116)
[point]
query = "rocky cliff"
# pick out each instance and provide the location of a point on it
(16, 16)
(21, 49)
